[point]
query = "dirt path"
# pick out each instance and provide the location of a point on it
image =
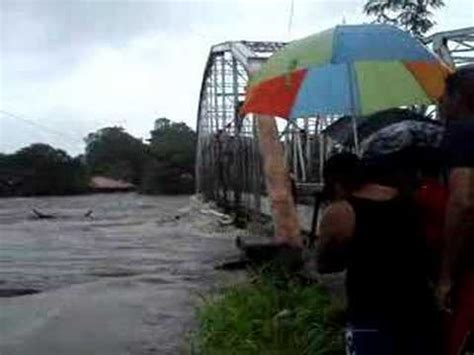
(122, 282)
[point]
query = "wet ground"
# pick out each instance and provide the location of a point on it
(123, 279)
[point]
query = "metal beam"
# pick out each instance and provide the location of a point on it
(448, 44)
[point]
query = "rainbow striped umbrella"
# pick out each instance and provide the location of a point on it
(348, 70)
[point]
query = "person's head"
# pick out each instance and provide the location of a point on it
(458, 99)
(396, 170)
(341, 175)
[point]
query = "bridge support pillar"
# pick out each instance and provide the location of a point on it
(285, 217)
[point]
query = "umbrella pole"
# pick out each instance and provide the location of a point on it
(356, 135)
(354, 104)
(285, 217)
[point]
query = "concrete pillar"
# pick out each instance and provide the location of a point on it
(285, 217)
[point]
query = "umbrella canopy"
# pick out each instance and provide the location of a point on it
(348, 70)
(416, 136)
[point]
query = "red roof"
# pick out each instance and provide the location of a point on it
(105, 183)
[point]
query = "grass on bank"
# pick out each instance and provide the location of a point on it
(263, 316)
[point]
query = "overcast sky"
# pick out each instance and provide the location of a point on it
(69, 67)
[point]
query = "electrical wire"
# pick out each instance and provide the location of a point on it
(36, 124)
(67, 138)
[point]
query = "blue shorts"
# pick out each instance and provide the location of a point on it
(362, 340)
(368, 341)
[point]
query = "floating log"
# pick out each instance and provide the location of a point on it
(41, 215)
(16, 292)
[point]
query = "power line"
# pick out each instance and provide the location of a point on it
(4, 145)
(38, 125)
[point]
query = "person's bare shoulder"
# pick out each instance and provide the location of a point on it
(337, 227)
(338, 221)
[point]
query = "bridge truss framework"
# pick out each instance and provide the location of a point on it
(228, 163)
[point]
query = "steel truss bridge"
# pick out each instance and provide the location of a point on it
(228, 164)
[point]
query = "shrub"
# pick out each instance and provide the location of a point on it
(261, 317)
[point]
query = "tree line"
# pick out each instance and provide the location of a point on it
(164, 164)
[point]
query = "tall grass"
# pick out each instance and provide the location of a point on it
(266, 316)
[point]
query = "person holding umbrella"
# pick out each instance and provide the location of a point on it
(456, 287)
(348, 71)
(374, 235)
(353, 71)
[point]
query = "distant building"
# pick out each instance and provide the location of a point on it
(105, 184)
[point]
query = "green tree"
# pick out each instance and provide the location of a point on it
(40, 169)
(170, 168)
(411, 15)
(174, 143)
(115, 153)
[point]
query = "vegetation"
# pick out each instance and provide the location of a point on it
(170, 167)
(40, 169)
(163, 165)
(266, 317)
(411, 15)
(114, 153)
(174, 143)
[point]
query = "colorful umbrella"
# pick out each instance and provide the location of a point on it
(349, 70)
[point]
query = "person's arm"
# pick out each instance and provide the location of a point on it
(459, 230)
(459, 222)
(336, 229)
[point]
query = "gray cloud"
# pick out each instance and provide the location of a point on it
(75, 66)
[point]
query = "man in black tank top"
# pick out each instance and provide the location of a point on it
(374, 235)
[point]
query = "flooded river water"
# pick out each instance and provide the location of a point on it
(122, 279)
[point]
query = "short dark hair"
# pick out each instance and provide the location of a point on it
(342, 167)
(396, 169)
(462, 82)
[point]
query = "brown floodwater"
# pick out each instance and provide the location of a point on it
(123, 280)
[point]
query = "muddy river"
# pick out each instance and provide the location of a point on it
(108, 274)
